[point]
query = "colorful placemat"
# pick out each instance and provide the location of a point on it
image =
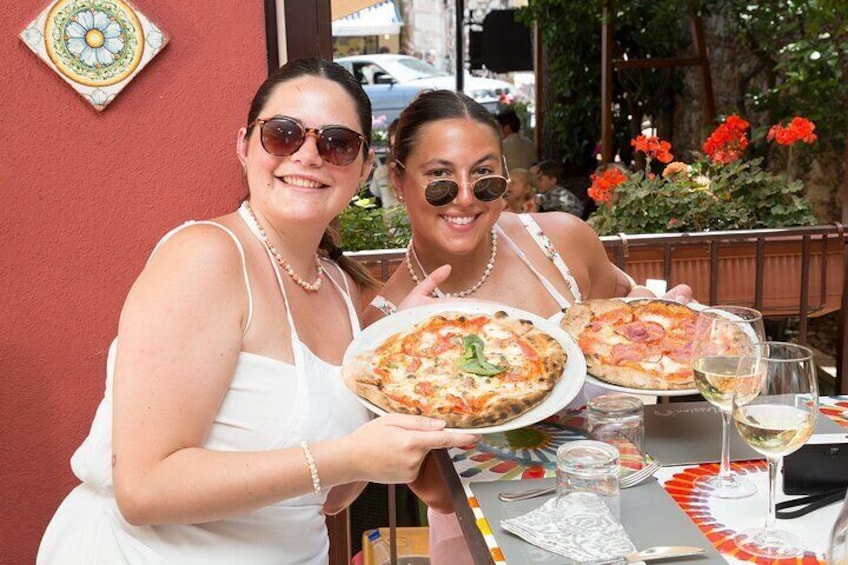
(530, 453)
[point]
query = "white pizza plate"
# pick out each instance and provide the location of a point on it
(567, 388)
(591, 379)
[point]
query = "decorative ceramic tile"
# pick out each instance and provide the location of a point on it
(96, 46)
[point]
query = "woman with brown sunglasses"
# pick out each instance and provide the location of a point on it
(450, 174)
(226, 433)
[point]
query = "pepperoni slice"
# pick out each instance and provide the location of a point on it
(680, 351)
(622, 352)
(641, 331)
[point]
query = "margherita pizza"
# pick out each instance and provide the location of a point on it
(470, 370)
(640, 344)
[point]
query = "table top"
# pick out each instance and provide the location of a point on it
(529, 453)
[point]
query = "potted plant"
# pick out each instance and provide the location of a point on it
(720, 192)
(372, 231)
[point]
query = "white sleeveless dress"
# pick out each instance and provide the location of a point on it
(270, 404)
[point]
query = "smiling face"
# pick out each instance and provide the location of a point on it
(462, 149)
(302, 188)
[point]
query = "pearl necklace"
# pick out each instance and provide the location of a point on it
(281, 261)
(410, 251)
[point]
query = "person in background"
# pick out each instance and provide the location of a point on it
(550, 195)
(519, 196)
(380, 185)
(225, 432)
(448, 170)
(519, 151)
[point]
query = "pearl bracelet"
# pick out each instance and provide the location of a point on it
(313, 470)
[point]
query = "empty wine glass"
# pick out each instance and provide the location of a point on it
(775, 423)
(722, 335)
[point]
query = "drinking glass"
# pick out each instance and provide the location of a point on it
(778, 421)
(722, 335)
(618, 420)
(589, 466)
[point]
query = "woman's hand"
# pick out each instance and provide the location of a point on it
(423, 291)
(390, 449)
(681, 293)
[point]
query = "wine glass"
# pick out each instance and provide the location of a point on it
(722, 335)
(775, 423)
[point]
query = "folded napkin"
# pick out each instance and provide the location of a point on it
(582, 528)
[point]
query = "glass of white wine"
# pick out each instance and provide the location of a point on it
(722, 356)
(778, 421)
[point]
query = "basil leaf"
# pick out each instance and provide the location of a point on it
(473, 360)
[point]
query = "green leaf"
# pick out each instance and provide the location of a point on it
(473, 360)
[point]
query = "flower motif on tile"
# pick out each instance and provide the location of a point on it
(96, 46)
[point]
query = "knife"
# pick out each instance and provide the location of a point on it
(650, 554)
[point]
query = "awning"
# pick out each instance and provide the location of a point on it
(379, 19)
(342, 8)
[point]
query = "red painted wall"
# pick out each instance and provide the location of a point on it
(85, 197)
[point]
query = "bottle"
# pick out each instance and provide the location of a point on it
(379, 548)
(837, 550)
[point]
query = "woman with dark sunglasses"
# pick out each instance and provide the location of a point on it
(226, 432)
(450, 174)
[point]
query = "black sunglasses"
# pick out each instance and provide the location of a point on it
(442, 192)
(282, 136)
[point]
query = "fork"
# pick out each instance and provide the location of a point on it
(630, 480)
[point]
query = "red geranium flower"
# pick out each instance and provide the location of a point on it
(603, 185)
(799, 129)
(654, 148)
(728, 142)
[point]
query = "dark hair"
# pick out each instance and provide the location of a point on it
(392, 130)
(313, 66)
(334, 72)
(550, 168)
(509, 118)
(432, 106)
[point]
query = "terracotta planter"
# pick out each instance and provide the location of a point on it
(736, 277)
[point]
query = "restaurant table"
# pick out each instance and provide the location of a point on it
(529, 453)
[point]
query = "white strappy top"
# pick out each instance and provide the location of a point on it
(543, 241)
(270, 404)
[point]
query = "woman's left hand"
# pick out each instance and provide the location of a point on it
(681, 294)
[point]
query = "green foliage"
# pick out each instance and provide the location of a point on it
(365, 226)
(739, 195)
(571, 34)
(799, 51)
(801, 48)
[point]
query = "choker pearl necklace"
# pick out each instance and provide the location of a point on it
(281, 261)
(410, 251)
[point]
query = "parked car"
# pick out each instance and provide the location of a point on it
(392, 81)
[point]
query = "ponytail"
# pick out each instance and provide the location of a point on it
(355, 269)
